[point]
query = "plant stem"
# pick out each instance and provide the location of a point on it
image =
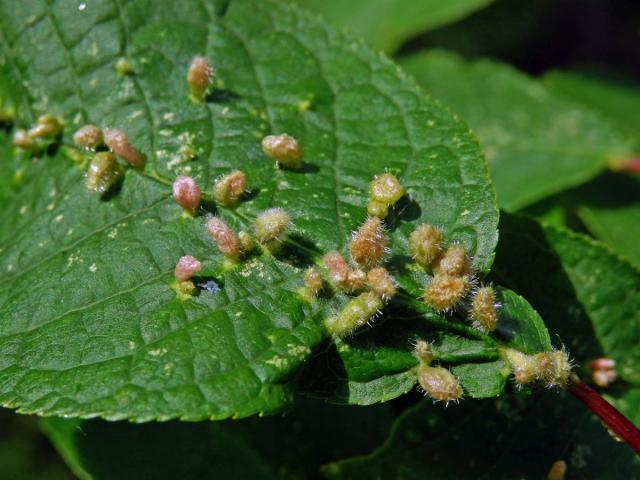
(612, 418)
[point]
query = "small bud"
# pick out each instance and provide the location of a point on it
(377, 209)
(103, 173)
(225, 238)
(199, 78)
(313, 281)
(425, 243)
(423, 352)
(47, 126)
(369, 243)
(358, 312)
(381, 283)
(483, 311)
(454, 261)
(558, 470)
(603, 371)
(444, 292)
(118, 143)
(602, 363)
(230, 188)
(124, 67)
(439, 383)
(271, 225)
(386, 189)
(246, 241)
(23, 139)
(555, 368)
(187, 193)
(526, 368)
(88, 137)
(284, 149)
(187, 267)
(603, 378)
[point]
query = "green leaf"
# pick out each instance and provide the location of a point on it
(90, 323)
(386, 24)
(289, 447)
(536, 143)
(377, 365)
(508, 438)
(611, 94)
(25, 453)
(611, 211)
(608, 207)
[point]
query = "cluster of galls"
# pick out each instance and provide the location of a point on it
(366, 278)
(104, 171)
(453, 283)
(40, 135)
(551, 368)
(372, 284)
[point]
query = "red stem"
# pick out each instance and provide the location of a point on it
(616, 421)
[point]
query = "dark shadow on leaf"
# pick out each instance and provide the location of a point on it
(526, 263)
(113, 191)
(307, 167)
(222, 96)
(207, 207)
(407, 209)
(296, 256)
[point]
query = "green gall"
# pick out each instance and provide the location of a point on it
(377, 209)
(271, 226)
(385, 189)
(358, 311)
(123, 67)
(313, 281)
(104, 173)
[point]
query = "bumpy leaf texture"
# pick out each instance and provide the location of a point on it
(89, 322)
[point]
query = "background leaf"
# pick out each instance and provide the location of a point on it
(536, 143)
(385, 24)
(289, 447)
(588, 296)
(508, 438)
(90, 323)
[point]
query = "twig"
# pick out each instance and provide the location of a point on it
(616, 421)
